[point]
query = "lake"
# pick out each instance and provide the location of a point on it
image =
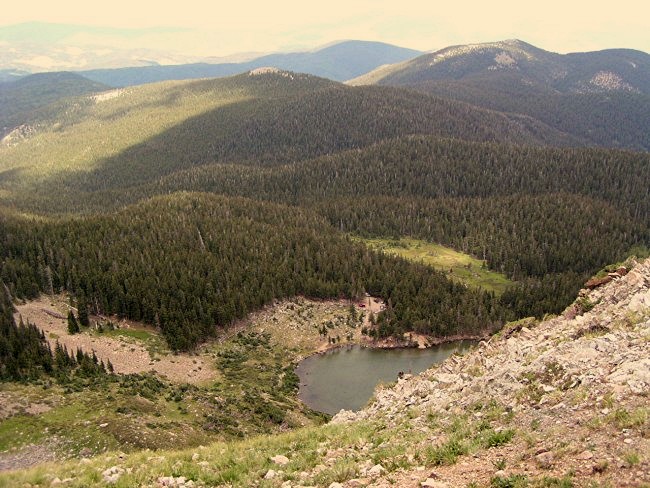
(346, 377)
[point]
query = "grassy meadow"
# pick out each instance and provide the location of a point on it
(457, 265)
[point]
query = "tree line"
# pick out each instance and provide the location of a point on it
(25, 354)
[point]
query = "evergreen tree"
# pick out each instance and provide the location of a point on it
(73, 326)
(82, 311)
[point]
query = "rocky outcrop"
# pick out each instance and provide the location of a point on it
(606, 348)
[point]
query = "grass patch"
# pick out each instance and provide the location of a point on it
(153, 342)
(632, 458)
(624, 419)
(465, 437)
(141, 335)
(492, 438)
(447, 453)
(458, 266)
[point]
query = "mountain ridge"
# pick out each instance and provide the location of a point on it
(472, 60)
(602, 96)
(24, 95)
(339, 61)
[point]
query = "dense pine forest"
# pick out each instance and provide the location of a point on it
(281, 169)
(190, 262)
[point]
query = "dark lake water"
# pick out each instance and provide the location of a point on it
(346, 377)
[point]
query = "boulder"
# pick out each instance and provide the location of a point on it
(280, 459)
(596, 282)
(431, 483)
(545, 460)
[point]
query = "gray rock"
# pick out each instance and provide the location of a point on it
(280, 459)
(376, 470)
(545, 460)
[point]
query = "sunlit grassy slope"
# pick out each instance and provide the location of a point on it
(79, 133)
(459, 266)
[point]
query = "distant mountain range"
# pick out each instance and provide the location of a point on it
(601, 97)
(41, 46)
(34, 47)
(341, 61)
(519, 62)
(582, 99)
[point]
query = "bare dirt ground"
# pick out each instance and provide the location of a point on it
(12, 404)
(127, 355)
(294, 323)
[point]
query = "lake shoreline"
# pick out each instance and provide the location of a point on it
(393, 344)
(345, 377)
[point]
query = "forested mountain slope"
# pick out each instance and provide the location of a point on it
(608, 70)
(190, 263)
(138, 134)
(20, 97)
(602, 96)
(317, 160)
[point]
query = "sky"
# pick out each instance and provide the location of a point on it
(217, 28)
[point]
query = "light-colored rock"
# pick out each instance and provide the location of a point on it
(270, 474)
(431, 483)
(545, 460)
(376, 470)
(356, 483)
(584, 455)
(112, 474)
(280, 459)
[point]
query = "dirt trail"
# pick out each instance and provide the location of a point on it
(126, 355)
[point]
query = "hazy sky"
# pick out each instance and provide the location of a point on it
(224, 27)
